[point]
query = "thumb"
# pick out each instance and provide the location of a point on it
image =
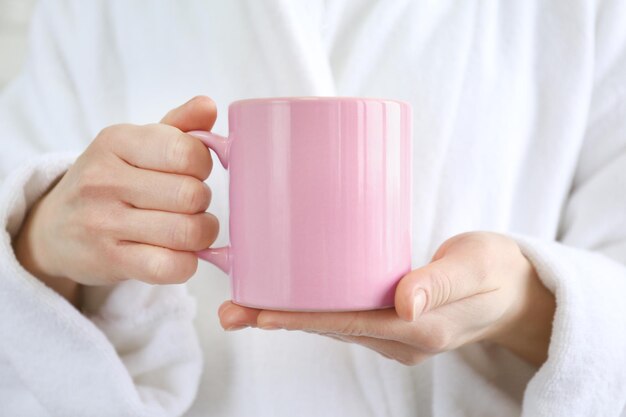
(199, 113)
(444, 281)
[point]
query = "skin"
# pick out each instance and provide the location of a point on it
(133, 207)
(477, 288)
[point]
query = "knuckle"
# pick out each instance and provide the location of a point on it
(193, 195)
(195, 234)
(152, 130)
(476, 242)
(440, 291)
(171, 268)
(108, 133)
(187, 233)
(181, 153)
(111, 134)
(180, 232)
(161, 267)
(473, 242)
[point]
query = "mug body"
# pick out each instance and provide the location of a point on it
(320, 202)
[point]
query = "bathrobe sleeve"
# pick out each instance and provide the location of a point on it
(585, 374)
(136, 352)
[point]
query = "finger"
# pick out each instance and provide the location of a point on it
(185, 232)
(433, 333)
(233, 316)
(199, 113)
(375, 323)
(448, 279)
(154, 190)
(153, 264)
(157, 147)
(390, 349)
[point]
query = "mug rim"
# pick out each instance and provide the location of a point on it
(318, 99)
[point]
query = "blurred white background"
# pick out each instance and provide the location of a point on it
(14, 19)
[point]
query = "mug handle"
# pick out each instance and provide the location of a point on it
(219, 257)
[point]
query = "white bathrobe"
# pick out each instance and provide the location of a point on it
(520, 128)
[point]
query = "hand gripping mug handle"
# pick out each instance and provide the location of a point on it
(219, 257)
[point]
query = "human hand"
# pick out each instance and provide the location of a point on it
(132, 206)
(478, 287)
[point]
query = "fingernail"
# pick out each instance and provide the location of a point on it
(233, 328)
(419, 301)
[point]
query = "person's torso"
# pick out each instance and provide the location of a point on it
(500, 92)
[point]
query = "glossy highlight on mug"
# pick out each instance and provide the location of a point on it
(320, 202)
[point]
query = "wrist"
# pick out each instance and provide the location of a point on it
(528, 330)
(30, 251)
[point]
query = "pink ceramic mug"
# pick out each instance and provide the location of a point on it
(320, 198)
